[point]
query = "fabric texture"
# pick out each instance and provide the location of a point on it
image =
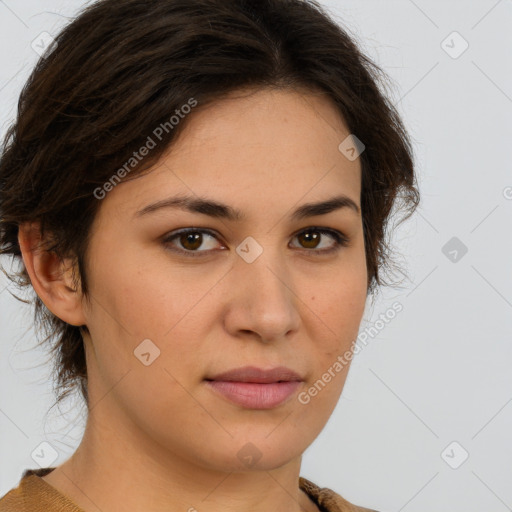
(33, 494)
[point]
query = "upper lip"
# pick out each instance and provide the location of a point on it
(258, 375)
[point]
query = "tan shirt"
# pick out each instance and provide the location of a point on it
(33, 494)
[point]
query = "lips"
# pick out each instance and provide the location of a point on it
(255, 388)
(258, 375)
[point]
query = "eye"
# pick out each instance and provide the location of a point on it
(313, 236)
(191, 239)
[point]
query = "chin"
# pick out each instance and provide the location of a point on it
(253, 453)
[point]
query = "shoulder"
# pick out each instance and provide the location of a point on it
(33, 494)
(12, 501)
(328, 500)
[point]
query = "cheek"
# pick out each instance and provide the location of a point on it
(340, 302)
(148, 301)
(339, 306)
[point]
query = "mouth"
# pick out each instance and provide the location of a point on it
(255, 388)
(251, 395)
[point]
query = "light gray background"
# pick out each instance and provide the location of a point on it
(440, 371)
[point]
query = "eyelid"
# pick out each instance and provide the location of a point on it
(340, 240)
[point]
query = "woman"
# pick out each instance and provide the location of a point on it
(198, 190)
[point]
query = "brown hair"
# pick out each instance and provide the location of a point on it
(123, 68)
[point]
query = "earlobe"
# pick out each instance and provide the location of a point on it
(51, 276)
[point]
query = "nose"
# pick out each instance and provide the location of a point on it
(262, 301)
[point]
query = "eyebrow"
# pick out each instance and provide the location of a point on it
(219, 210)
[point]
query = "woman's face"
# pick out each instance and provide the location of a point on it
(265, 290)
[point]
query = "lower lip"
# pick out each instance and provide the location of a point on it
(253, 395)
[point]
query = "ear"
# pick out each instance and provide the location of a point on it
(51, 276)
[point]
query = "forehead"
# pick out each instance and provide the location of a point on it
(264, 148)
(274, 118)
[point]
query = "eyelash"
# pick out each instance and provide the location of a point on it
(339, 239)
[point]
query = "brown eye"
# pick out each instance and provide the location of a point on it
(311, 239)
(189, 242)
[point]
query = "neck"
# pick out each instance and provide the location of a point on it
(117, 467)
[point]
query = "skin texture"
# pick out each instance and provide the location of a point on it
(157, 438)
